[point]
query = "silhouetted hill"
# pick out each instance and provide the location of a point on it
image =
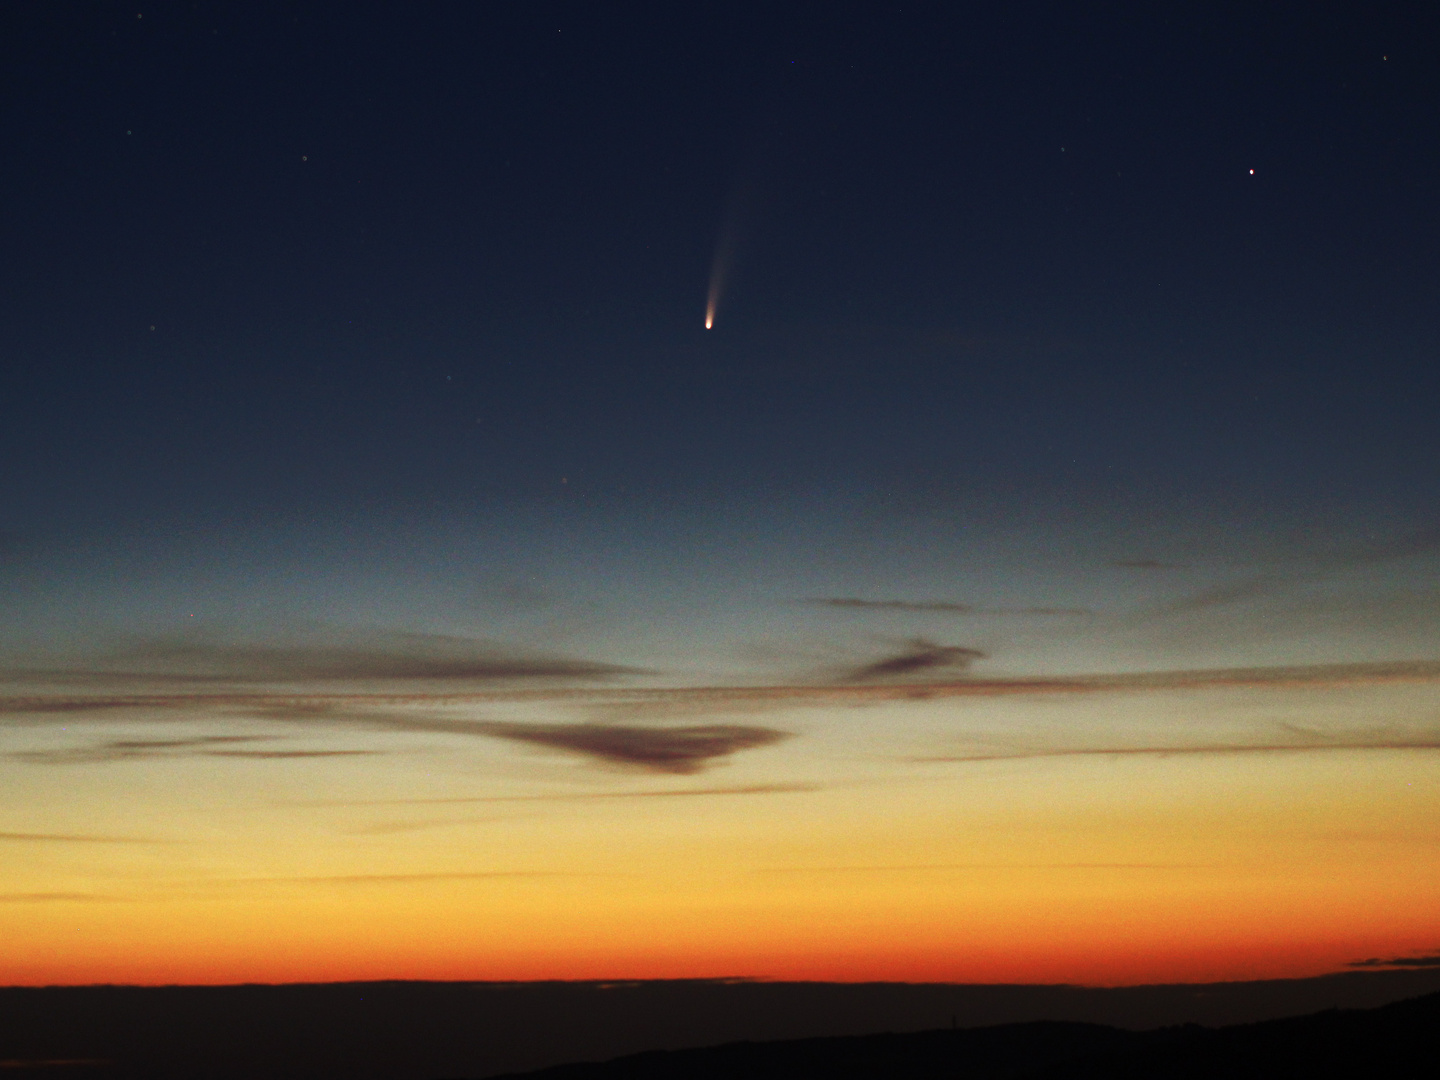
(1009, 1050)
(425, 1031)
(1396, 1040)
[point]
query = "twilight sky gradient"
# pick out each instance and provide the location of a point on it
(1032, 576)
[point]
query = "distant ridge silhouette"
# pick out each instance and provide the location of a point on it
(1396, 1040)
(440, 1030)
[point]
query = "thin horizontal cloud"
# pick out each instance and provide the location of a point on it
(131, 749)
(681, 750)
(280, 755)
(677, 750)
(1336, 744)
(1432, 961)
(54, 898)
(365, 710)
(355, 709)
(586, 796)
(924, 868)
(1221, 595)
(391, 828)
(855, 604)
(385, 658)
(1145, 564)
(46, 704)
(73, 838)
(407, 879)
(919, 656)
(145, 749)
(304, 664)
(1422, 542)
(942, 607)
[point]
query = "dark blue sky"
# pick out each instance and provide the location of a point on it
(424, 262)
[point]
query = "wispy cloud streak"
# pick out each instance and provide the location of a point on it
(934, 607)
(144, 749)
(582, 796)
(1422, 542)
(1432, 961)
(72, 838)
(403, 658)
(918, 657)
(1338, 744)
(322, 707)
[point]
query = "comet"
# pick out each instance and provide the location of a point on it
(719, 270)
(724, 255)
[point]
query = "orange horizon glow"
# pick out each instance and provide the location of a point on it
(1109, 868)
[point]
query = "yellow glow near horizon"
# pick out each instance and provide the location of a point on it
(853, 851)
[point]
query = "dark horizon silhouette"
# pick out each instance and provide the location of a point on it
(430, 1031)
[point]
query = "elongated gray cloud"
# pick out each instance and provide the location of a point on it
(919, 656)
(129, 749)
(400, 657)
(360, 708)
(580, 796)
(198, 746)
(852, 603)
(679, 750)
(1422, 542)
(660, 748)
(1341, 742)
(405, 658)
(933, 607)
(281, 755)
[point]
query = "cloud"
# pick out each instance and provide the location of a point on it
(1399, 961)
(1422, 542)
(680, 750)
(197, 746)
(1220, 595)
(40, 705)
(1145, 564)
(52, 898)
(943, 607)
(364, 710)
(408, 657)
(611, 739)
(273, 755)
(390, 828)
(412, 658)
(920, 656)
(581, 796)
(72, 838)
(941, 867)
(847, 602)
(130, 749)
(405, 879)
(1339, 743)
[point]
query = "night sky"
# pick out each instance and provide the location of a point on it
(1031, 576)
